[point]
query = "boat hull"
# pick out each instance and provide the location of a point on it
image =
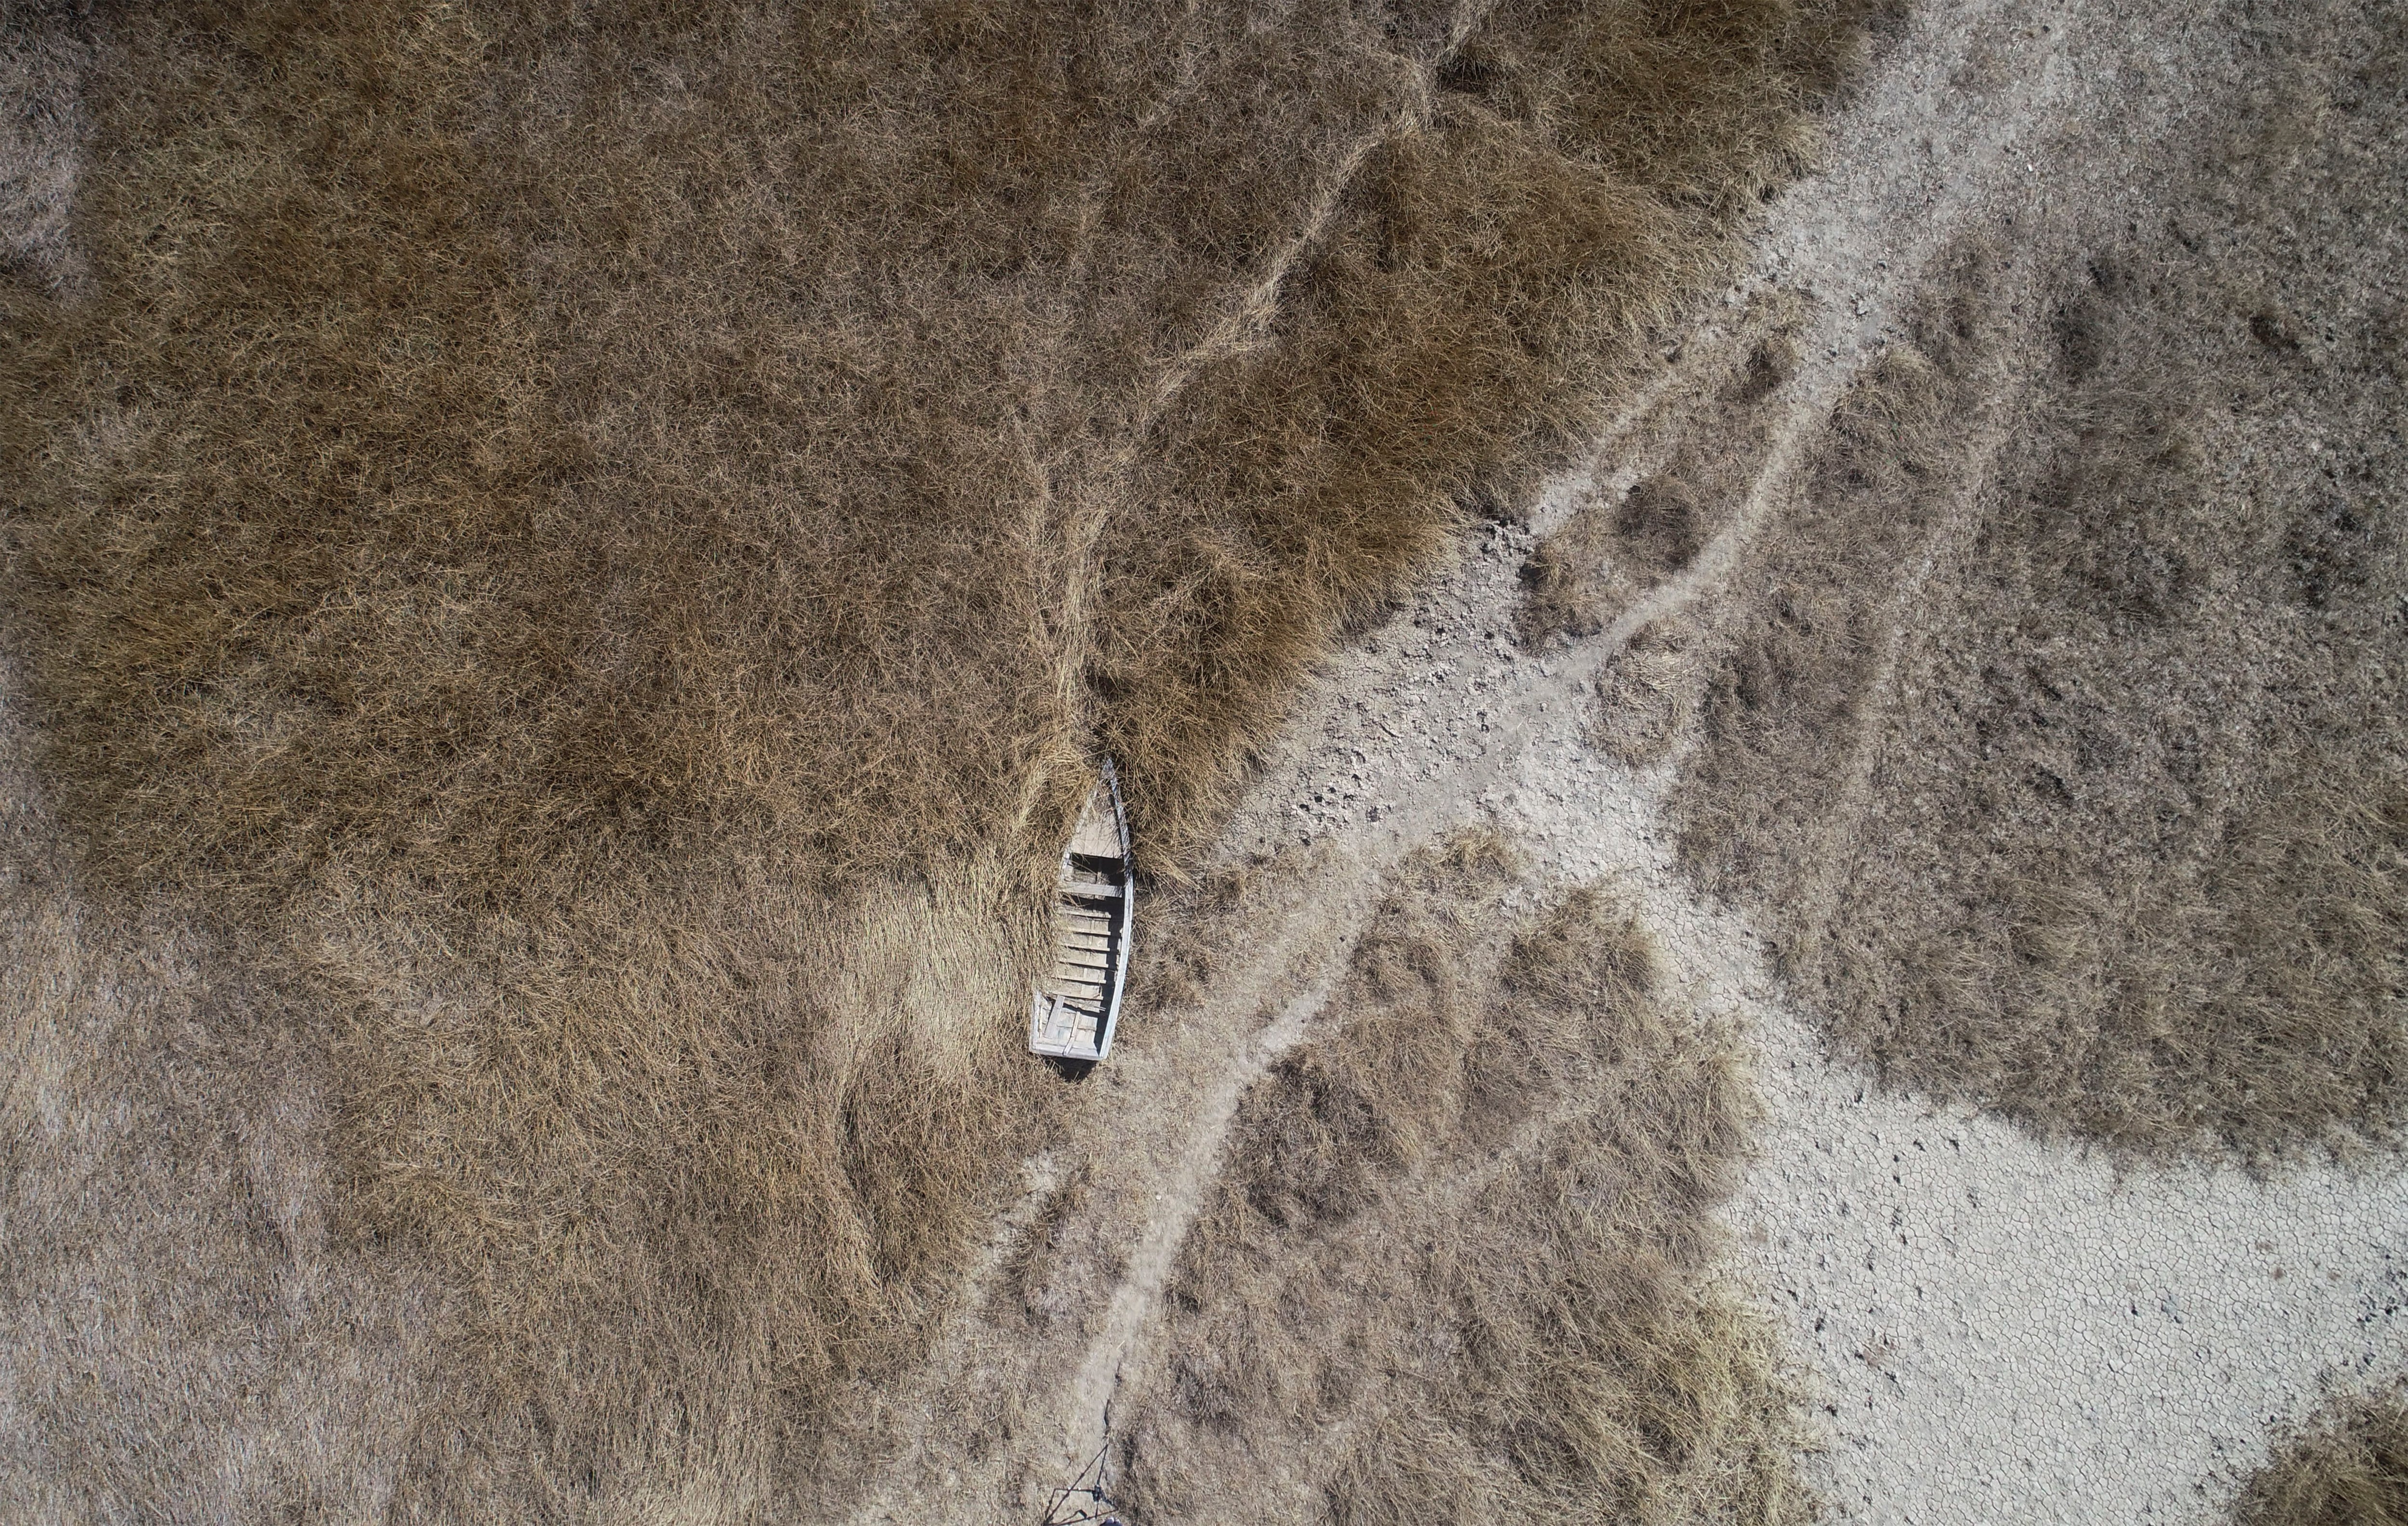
(1075, 1007)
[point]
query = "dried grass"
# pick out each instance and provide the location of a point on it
(1607, 554)
(2348, 1467)
(1647, 693)
(581, 553)
(1460, 1261)
(44, 53)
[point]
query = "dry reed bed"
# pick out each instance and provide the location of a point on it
(578, 553)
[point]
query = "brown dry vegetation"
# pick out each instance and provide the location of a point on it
(1606, 555)
(2348, 1467)
(497, 434)
(1782, 703)
(2066, 755)
(1459, 1261)
(42, 122)
(572, 556)
(1647, 693)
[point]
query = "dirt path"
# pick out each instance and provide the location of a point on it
(1087, 1404)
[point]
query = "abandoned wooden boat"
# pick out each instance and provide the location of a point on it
(1078, 1003)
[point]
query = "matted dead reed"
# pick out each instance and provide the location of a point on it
(585, 546)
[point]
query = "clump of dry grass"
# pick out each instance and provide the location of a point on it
(1461, 1261)
(593, 547)
(1197, 917)
(2350, 1467)
(1647, 693)
(1781, 700)
(1608, 553)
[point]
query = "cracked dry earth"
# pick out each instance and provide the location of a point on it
(1986, 1326)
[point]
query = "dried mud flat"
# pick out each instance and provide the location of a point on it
(1991, 1320)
